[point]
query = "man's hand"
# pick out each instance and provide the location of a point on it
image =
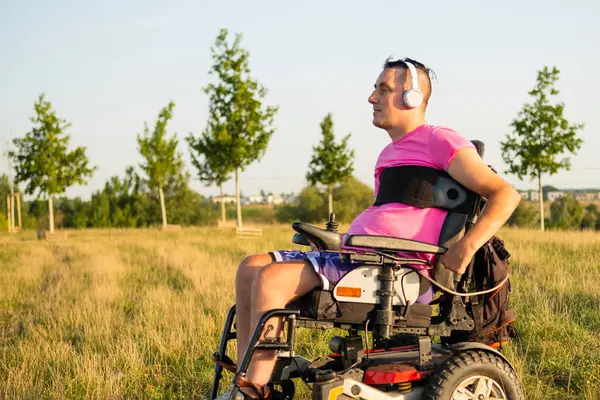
(458, 257)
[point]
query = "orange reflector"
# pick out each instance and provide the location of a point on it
(348, 291)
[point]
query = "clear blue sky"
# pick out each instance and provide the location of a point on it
(108, 66)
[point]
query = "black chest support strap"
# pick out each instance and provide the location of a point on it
(425, 187)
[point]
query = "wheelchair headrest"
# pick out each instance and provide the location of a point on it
(480, 146)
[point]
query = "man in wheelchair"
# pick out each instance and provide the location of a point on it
(426, 211)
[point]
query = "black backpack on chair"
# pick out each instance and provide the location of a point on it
(491, 311)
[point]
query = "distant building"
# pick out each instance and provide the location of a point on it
(257, 199)
(585, 196)
(534, 195)
(555, 195)
(226, 199)
(275, 200)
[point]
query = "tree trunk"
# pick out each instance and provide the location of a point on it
(330, 200)
(541, 194)
(237, 197)
(51, 214)
(162, 206)
(223, 218)
(12, 212)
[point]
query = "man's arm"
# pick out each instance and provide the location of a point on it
(469, 169)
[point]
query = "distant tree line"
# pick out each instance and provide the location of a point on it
(126, 202)
(566, 213)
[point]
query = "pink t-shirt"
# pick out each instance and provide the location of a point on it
(430, 146)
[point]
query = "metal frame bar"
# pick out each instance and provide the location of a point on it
(254, 343)
(226, 336)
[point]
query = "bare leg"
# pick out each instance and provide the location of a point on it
(274, 286)
(246, 273)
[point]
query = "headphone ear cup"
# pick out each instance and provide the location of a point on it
(413, 98)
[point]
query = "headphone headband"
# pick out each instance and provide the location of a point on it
(413, 73)
(413, 97)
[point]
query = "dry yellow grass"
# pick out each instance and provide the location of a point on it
(137, 313)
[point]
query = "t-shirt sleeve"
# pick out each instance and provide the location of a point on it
(444, 144)
(376, 183)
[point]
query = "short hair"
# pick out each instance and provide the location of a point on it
(401, 63)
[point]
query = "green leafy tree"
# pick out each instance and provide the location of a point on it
(239, 120)
(161, 156)
(354, 197)
(540, 136)
(211, 158)
(42, 159)
(566, 213)
(311, 203)
(75, 212)
(121, 203)
(309, 207)
(591, 219)
(331, 162)
(524, 216)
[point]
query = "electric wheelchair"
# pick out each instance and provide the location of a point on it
(398, 360)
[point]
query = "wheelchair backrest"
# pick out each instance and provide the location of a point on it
(458, 217)
(457, 222)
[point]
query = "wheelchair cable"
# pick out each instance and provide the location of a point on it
(367, 339)
(445, 289)
(402, 283)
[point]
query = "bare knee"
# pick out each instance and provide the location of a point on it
(284, 281)
(249, 267)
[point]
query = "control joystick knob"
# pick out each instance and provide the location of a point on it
(332, 226)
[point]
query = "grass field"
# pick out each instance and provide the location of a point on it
(137, 313)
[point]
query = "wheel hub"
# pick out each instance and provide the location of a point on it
(479, 387)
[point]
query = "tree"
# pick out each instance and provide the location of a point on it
(308, 207)
(239, 121)
(162, 158)
(566, 213)
(591, 219)
(541, 134)
(354, 197)
(210, 157)
(331, 163)
(43, 161)
(121, 203)
(524, 216)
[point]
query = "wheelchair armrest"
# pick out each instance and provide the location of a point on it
(323, 239)
(392, 244)
(299, 239)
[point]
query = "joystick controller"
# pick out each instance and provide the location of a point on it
(332, 226)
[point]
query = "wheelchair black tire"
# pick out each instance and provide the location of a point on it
(459, 367)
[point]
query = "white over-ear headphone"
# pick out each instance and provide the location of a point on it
(413, 97)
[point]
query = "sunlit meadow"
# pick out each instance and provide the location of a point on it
(114, 314)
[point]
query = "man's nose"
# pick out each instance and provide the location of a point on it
(372, 99)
